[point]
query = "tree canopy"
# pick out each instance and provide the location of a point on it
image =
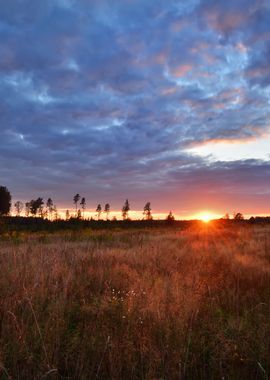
(5, 201)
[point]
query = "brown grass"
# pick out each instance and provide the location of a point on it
(136, 305)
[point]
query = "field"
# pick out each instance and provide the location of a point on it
(136, 304)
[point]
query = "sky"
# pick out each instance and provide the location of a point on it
(152, 100)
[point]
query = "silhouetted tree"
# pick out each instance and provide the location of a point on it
(238, 216)
(107, 209)
(55, 213)
(147, 211)
(5, 201)
(36, 206)
(125, 209)
(67, 215)
(98, 211)
(170, 217)
(27, 208)
(40, 207)
(83, 204)
(76, 199)
(79, 214)
(18, 207)
(33, 207)
(49, 206)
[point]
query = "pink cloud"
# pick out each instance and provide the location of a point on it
(182, 70)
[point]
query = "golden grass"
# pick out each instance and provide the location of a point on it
(136, 304)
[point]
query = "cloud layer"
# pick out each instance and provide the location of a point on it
(104, 97)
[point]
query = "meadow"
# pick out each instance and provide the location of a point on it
(161, 303)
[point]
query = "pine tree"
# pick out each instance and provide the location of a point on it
(98, 211)
(83, 204)
(76, 199)
(49, 206)
(107, 209)
(125, 209)
(147, 211)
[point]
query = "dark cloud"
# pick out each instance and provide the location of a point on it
(104, 97)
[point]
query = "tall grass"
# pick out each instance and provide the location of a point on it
(136, 305)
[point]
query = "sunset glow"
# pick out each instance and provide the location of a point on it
(206, 216)
(145, 100)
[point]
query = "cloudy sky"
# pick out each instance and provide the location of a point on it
(165, 101)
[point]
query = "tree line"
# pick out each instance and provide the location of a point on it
(39, 208)
(48, 210)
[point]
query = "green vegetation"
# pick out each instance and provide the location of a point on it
(136, 303)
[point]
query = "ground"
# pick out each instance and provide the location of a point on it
(162, 303)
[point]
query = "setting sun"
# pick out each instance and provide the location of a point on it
(205, 217)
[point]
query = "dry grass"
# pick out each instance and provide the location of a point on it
(136, 305)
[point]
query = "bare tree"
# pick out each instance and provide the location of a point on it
(18, 207)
